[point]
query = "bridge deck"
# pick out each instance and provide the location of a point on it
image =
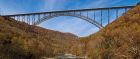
(73, 10)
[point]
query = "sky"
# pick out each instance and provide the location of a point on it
(73, 25)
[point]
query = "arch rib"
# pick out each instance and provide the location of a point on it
(68, 14)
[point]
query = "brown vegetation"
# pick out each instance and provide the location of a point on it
(118, 40)
(22, 41)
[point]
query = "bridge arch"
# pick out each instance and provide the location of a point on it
(68, 14)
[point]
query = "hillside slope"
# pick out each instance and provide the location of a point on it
(118, 40)
(22, 41)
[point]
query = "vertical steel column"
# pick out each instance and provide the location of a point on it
(101, 16)
(50, 14)
(29, 19)
(74, 12)
(87, 13)
(80, 13)
(23, 18)
(14, 17)
(33, 19)
(108, 13)
(125, 9)
(94, 15)
(18, 18)
(117, 13)
(39, 17)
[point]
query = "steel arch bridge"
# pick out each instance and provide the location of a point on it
(68, 14)
(94, 16)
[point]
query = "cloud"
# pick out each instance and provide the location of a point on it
(5, 9)
(52, 5)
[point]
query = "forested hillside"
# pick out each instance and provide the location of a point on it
(118, 40)
(22, 41)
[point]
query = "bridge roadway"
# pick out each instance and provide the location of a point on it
(118, 7)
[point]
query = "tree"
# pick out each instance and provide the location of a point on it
(138, 3)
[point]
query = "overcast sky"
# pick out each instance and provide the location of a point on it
(64, 24)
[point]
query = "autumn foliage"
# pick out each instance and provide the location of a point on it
(118, 40)
(19, 40)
